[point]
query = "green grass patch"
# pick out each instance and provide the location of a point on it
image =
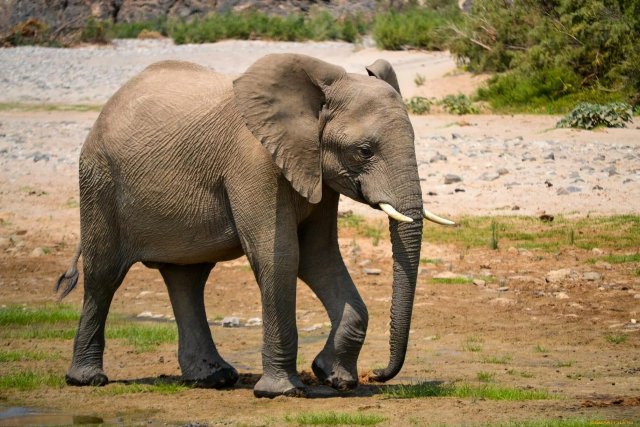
(523, 374)
(158, 387)
(331, 418)
(619, 232)
(616, 338)
(26, 381)
(143, 337)
(451, 280)
(617, 258)
(20, 106)
(484, 391)
(60, 322)
(496, 360)
(25, 356)
(18, 315)
(564, 363)
(434, 261)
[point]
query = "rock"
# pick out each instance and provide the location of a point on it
(143, 293)
(587, 168)
(637, 296)
(254, 321)
(545, 217)
(515, 208)
(627, 181)
(37, 156)
(479, 282)
(489, 176)
(527, 157)
(568, 190)
(512, 250)
(603, 265)
(455, 136)
(599, 157)
(313, 327)
(146, 314)
(364, 263)
(36, 253)
(231, 322)
(459, 190)
(597, 251)
(5, 242)
(437, 158)
(548, 183)
(451, 178)
(561, 295)
(556, 276)
(597, 187)
(502, 171)
(611, 170)
(550, 156)
(503, 289)
(592, 276)
(372, 271)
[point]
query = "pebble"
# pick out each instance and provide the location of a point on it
(550, 156)
(568, 190)
(437, 158)
(479, 282)
(145, 314)
(489, 176)
(451, 178)
(556, 276)
(502, 171)
(503, 289)
(611, 170)
(502, 301)
(592, 276)
(561, 295)
(372, 271)
(603, 265)
(37, 252)
(313, 327)
(231, 322)
(597, 251)
(254, 321)
(5, 242)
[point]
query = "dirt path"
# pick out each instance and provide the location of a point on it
(516, 330)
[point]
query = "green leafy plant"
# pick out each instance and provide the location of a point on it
(418, 105)
(590, 116)
(458, 104)
(94, 31)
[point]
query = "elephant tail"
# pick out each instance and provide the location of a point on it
(70, 276)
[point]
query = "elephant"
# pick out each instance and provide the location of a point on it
(185, 168)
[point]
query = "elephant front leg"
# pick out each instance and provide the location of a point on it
(322, 268)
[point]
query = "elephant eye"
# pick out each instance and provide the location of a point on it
(365, 152)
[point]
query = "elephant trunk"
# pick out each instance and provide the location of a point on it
(406, 240)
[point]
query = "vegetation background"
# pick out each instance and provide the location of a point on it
(546, 56)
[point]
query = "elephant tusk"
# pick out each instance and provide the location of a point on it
(390, 210)
(435, 218)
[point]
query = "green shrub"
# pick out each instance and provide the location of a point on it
(458, 104)
(555, 51)
(418, 105)
(590, 116)
(94, 31)
(419, 27)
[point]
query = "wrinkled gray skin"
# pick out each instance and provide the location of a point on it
(185, 168)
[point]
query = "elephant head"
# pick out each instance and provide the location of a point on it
(352, 133)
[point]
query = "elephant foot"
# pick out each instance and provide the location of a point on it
(334, 376)
(86, 376)
(223, 377)
(271, 387)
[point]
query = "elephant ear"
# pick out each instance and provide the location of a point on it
(280, 98)
(383, 70)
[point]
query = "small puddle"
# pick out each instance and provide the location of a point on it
(17, 416)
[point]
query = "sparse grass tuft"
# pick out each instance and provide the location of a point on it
(618, 258)
(473, 344)
(564, 364)
(21, 106)
(490, 392)
(498, 360)
(616, 338)
(330, 418)
(25, 381)
(554, 423)
(434, 261)
(485, 377)
(523, 374)
(540, 349)
(117, 389)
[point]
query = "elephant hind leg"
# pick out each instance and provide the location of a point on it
(199, 359)
(101, 279)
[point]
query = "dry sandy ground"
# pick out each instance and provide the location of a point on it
(569, 172)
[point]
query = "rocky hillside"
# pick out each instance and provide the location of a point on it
(62, 15)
